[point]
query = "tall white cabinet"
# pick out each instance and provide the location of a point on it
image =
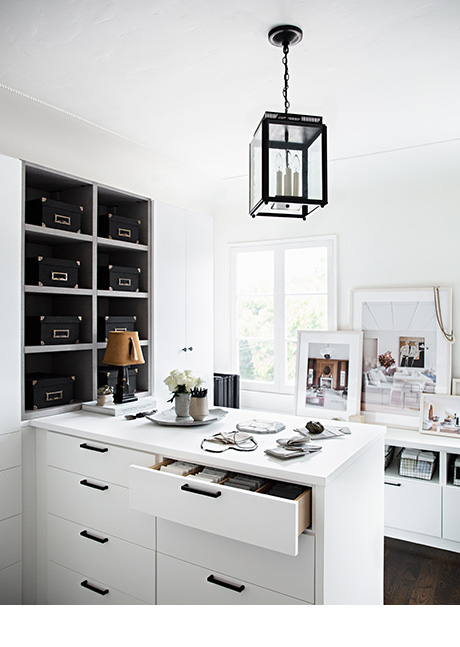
(10, 385)
(183, 288)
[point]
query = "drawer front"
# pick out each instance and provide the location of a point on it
(65, 587)
(451, 513)
(10, 492)
(294, 576)
(106, 510)
(10, 450)
(11, 585)
(183, 583)
(10, 541)
(254, 518)
(100, 460)
(413, 506)
(120, 564)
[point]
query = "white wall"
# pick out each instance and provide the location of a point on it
(36, 133)
(397, 220)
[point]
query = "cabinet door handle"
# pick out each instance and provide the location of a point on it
(186, 349)
(101, 540)
(226, 585)
(394, 484)
(91, 587)
(187, 488)
(94, 449)
(94, 485)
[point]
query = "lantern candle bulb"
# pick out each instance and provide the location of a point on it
(296, 167)
(279, 175)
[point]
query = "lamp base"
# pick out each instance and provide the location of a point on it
(122, 391)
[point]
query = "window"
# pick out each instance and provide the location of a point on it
(278, 288)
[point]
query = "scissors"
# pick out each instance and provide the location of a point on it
(236, 440)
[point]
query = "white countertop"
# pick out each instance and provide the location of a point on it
(184, 442)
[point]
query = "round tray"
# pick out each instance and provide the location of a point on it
(169, 417)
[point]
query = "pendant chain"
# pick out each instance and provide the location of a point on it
(286, 77)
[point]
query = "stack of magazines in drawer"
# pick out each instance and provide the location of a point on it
(417, 463)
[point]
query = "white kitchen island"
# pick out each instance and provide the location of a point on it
(114, 529)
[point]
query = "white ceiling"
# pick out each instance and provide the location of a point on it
(192, 78)
(416, 315)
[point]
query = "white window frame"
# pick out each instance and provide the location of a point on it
(278, 247)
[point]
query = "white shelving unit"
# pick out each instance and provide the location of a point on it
(418, 510)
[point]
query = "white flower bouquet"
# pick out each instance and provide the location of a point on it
(182, 382)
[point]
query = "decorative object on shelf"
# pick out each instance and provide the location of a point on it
(440, 415)
(404, 323)
(328, 387)
(181, 383)
(199, 404)
(104, 395)
(48, 390)
(55, 272)
(46, 330)
(170, 419)
(55, 214)
(417, 463)
(115, 277)
(117, 227)
(123, 350)
(288, 153)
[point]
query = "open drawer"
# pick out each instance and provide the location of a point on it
(252, 517)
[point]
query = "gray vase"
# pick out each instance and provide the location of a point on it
(182, 405)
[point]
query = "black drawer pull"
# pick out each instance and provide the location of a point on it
(101, 540)
(186, 488)
(226, 585)
(91, 587)
(394, 484)
(94, 485)
(94, 449)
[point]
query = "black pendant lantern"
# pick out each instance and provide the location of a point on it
(288, 153)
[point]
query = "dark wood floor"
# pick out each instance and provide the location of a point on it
(416, 574)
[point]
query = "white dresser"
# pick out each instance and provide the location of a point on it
(113, 528)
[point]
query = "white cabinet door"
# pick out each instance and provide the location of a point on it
(183, 294)
(413, 505)
(450, 512)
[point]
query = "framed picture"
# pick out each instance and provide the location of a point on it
(405, 352)
(440, 415)
(455, 386)
(328, 375)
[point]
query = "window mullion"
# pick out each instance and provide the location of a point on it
(279, 323)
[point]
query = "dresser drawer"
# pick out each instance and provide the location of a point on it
(10, 492)
(413, 505)
(293, 576)
(10, 450)
(68, 587)
(10, 541)
(78, 498)
(251, 517)
(180, 582)
(120, 564)
(101, 460)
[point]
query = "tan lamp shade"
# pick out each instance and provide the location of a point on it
(123, 349)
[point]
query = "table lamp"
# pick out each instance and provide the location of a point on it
(123, 350)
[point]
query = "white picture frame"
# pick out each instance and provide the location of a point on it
(404, 320)
(440, 415)
(328, 385)
(455, 386)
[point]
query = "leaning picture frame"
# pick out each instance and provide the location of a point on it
(406, 350)
(455, 386)
(440, 415)
(328, 373)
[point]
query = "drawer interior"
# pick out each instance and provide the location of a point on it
(299, 493)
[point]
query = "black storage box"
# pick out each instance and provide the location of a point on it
(106, 324)
(52, 330)
(119, 228)
(48, 390)
(114, 277)
(56, 272)
(109, 375)
(51, 213)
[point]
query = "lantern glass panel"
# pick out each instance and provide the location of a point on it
(315, 174)
(255, 153)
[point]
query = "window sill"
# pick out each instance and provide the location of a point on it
(265, 401)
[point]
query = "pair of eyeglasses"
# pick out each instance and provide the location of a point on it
(236, 440)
